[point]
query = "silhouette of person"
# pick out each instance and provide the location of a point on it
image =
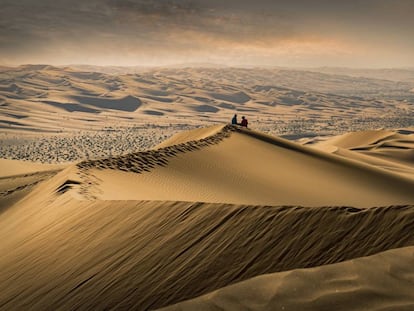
(234, 120)
(244, 122)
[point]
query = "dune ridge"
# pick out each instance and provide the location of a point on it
(13, 167)
(389, 150)
(229, 164)
(143, 161)
(142, 255)
(384, 281)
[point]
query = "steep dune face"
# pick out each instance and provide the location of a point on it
(359, 284)
(67, 254)
(245, 167)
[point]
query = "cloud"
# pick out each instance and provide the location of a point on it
(167, 31)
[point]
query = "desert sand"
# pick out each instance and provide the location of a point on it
(126, 189)
(246, 167)
(52, 100)
(64, 114)
(13, 167)
(17, 178)
(380, 282)
(216, 218)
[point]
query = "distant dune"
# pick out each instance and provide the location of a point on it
(390, 74)
(224, 217)
(386, 149)
(44, 99)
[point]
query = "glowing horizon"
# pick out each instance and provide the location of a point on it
(296, 33)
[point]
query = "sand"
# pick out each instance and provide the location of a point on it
(14, 167)
(17, 178)
(380, 282)
(224, 217)
(245, 167)
(145, 255)
(389, 150)
(54, 100)
(146, 199)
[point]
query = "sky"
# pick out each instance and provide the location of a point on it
(291, 33)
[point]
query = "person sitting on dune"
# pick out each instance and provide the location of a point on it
(244, 122)
(234, 120)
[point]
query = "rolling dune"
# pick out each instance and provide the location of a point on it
(326, 102)
(202, 212)
(390, 150)
(72, 254)
(245, 167)
(380, 282)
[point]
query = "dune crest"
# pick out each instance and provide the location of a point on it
(389, 150)
(228, 164)
(383, 281)
(94, 254)
(14, 167)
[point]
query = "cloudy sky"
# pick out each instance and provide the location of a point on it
(311, 33)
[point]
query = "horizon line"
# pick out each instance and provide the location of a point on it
(206, 65)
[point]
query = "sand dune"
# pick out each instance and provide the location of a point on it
(390, 150)
(373, 139)
(380, 282)
(285, 98)
(17, 178)
(244, 167)
(14, 167)
(202, 212)
(359, 139)
(69, 254)
(214, 218)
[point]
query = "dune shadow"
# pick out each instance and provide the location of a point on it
(71, 107)
(128, 103)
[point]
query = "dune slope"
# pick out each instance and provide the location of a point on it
(17, 178)
(10, 168)
(389, 150)
(380, 282)
(69, 254)
(241, 166)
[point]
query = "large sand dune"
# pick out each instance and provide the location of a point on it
(200, 213)
(244, 167)
(140, 255)
(380, 282)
